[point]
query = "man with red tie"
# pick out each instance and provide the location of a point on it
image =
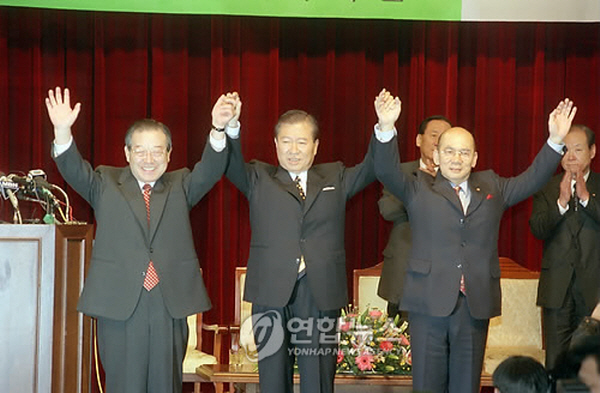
(144, 277)
(452, 284)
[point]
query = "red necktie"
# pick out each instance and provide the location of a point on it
(462, 276)
(151, 278)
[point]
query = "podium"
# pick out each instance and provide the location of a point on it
(45, 344)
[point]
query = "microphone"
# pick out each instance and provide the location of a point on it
(9, 188)
(7, 185)
(30, 182)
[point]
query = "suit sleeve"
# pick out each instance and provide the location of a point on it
(79, 174)
(238, 171)
(592, 208)
(206, 173)
(361, 175)
(545, 216)
(516, 189)
(387, 169)
(391, 208)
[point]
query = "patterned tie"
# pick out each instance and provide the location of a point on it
(151, 278)
(462, 277)
(299, 187)
(301, 264)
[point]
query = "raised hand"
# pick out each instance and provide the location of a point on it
(565, 189)
(581, 187)
(237, 108)
(388, 109)
(61, 114)
(560, 119)
(226, 110)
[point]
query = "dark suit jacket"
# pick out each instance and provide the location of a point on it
(446, 242)
(395, 254)
(124, 244)
(284, 228)
(571, 244)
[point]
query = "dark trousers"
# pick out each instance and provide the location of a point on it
(447, 352)
(143, 354)
(297, 331)
(560, 323)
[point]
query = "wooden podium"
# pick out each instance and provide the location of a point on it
(45, 344)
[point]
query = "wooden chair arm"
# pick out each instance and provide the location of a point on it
(217, 332)
(215, 328)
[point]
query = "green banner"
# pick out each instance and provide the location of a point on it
(357, 9)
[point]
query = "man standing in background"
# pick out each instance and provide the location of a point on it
(566, 216)
(395, 254)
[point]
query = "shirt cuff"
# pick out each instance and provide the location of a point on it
(233, 132)
(559, 148)
(584, 203)
(384, 136)
(218, 145)
(563, 210)
(60, 149)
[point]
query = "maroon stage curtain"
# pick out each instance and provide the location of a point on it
(499, 80)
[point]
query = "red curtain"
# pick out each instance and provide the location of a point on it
(499, 80)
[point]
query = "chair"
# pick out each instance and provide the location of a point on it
(242, 336)
(518, 331)
(194, 357)
(365, 286)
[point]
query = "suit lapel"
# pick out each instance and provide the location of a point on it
(158, 200)
(315, 183)
(442, 186)
(282, 176)
(133, 195)
(593, 184)
(578, 218)
(477, 196)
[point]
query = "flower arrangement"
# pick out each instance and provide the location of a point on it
(371, 343)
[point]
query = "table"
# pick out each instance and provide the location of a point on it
(246, 375)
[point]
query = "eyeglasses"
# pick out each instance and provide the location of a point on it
(156, 154)
(450, 152)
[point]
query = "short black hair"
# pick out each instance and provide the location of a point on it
(429, 119)
(584, 347)
(148, 124)
(522, 374)
(591, 137)
(295, 116)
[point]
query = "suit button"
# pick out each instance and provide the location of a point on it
(151, 250)
(463, 244)
(143, 274)
(459, 266)
(462, 221)
(302, 240)
(297, 260)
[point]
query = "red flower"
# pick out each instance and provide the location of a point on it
(344, 327)
(375, 313)
(489, 196)
(340, 356)
(409, 357)
(404, 340)
(364, 361)
(386, 346)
